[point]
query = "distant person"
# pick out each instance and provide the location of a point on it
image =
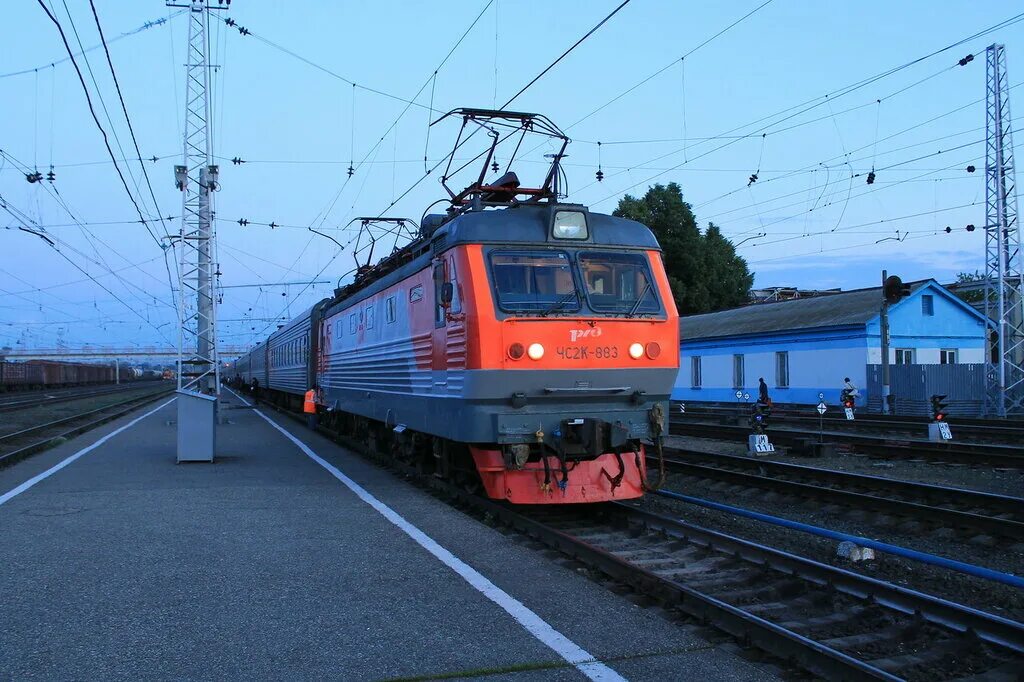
(850, 388)
(255, 390)
(762, 392)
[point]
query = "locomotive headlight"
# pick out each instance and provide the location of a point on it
(569, 225)
(653, 350)
(535, 351)
(636, 350)
(516, 351)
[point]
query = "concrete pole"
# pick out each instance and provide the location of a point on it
(885, 347)
(117, 371)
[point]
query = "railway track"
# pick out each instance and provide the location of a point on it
(931, 506)
(831, 622)
(989, 430)
(884, 447)
(61, 396)
(13, 447)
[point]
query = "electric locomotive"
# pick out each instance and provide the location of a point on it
(518, 344)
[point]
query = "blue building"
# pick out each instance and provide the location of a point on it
(807, 346)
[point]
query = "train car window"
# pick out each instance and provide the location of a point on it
(534, 281)
(352, 323)
(439, 280)
(339, 328)
(369, 316)
(390, 308)
(618, 282)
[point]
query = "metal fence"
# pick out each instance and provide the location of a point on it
(913, 385)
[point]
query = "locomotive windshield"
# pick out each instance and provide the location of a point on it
(534, 281)
(618, 282)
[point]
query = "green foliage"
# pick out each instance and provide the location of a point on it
(970, 296)
(703, 269)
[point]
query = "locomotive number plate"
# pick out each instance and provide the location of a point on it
(587, 352)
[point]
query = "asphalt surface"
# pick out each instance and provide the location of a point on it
(262, 565)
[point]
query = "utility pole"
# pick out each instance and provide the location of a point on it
(198, 364)
(1004, 281)
(884, 323)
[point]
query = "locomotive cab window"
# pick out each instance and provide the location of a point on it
(537, 282)
(618, 282)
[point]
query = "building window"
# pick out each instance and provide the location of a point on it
(947, 356)
(737, 372)
(904, 356)
(782, 369)
(390, 309)
(928, 305)
(695, 371)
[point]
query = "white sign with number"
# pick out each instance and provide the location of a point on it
(822, 407)
(758, 442)
(849, 413)
(944, 431)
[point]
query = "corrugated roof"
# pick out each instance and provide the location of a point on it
(831, 310)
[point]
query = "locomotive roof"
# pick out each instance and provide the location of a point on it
(532, 223)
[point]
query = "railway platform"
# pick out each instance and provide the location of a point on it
(291, 557)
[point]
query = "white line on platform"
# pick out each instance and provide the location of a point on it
(89, 448)
(534, 624)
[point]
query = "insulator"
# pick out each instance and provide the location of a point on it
(599, 175)
(51, 176)
(971, 169)
(351, 170)
(495, 166)
(970, 228)
(753, 179)
(871, 178)
(948, 229)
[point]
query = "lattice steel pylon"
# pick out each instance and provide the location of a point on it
(198, 363)
(1004, 274)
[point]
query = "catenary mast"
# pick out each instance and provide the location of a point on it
(1004, 305)
(196, 177)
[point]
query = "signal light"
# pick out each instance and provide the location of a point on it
(653, 350)
(636, 350)
(894, 289)
(938, 407)
(535, 351)
(516, 351)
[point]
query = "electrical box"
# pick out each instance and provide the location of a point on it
(197, 426)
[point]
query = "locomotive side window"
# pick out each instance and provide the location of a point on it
(618, 282)
(369, 316)
(352, 323)
(534, 281)
(390, 309)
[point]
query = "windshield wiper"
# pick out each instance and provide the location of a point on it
(557, 305)
(640, 298)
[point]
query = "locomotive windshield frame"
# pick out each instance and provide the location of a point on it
(593, 293)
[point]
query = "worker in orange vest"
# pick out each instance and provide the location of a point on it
(309, 406)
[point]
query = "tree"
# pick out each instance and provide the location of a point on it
(974, 296)
(703, 269)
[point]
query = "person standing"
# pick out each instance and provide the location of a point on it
(762, 392)
(309, 406)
